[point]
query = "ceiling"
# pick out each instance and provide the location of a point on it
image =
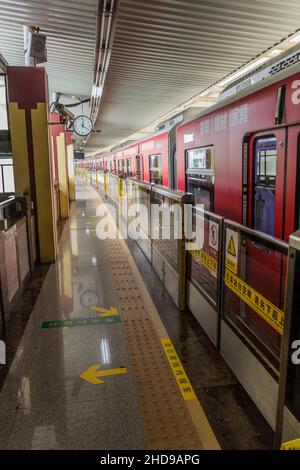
(70, 27)
(166, 51)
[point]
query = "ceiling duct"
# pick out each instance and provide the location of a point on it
(107, 10)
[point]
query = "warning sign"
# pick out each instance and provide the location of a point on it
(232, 249)
(268, 311)
(213, 238)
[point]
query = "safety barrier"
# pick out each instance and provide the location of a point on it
(17, 248)
(204, 275)
(234, 283)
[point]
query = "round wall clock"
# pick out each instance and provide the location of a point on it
(82, 125)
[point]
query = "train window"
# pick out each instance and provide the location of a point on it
(124, 166)
(265, 184)
(155, 163)
(200, 175)
(129, 167)
(140, 167)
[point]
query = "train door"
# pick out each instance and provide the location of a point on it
(200, 175)
(267, 163)
(292, 195)
(263, 268)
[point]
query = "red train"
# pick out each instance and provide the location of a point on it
(240, 157)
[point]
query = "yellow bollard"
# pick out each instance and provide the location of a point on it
(86, 175)
(104, 183)
(120, 186)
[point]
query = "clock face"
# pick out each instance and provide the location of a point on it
(89, 298)
(82, 125)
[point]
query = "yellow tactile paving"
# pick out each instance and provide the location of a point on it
(170, 421)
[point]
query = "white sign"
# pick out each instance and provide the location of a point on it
(239, 115)
(213, 238)
(232, 250)
(188, 137)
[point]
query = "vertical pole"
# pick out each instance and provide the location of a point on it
(29, 61)
(182, 259)
(285, 345)
(120, 186)
(97, 179)
(104, 184)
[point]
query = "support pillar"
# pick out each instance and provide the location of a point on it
(63, 175)
(28, 114)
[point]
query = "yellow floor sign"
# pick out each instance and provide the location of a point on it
(291, 445)
(94, 373)
(269, 312)
(178, 370)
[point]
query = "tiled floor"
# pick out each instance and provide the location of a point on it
(45, 404)
(235, 419)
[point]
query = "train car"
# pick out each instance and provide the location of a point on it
(146, 160)
(241, 158)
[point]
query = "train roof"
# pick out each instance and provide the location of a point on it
(283, 74)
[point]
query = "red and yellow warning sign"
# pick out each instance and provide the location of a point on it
(269, 312)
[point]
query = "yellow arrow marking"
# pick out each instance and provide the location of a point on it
(105, 312)
(93, 373)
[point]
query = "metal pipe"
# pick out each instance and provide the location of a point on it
(29, 61)
(104, 53)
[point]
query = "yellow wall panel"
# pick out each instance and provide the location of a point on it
(43, 182)
(19, 148)
(63, 176)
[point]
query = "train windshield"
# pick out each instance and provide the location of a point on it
(265, 184)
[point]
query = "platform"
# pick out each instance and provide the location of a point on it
(96, 368)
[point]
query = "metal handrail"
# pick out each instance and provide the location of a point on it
(179, 196)
(256, 233)
(142, 184)
(208, 214)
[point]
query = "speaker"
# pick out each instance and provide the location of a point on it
(36, 47)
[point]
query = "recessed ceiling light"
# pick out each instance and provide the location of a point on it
(295, 38)
(276, 51)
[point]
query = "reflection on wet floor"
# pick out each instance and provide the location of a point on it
(235, 419)
(48, 410)
(21, 309)
(233, 416)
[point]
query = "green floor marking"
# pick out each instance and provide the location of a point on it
(81, 322)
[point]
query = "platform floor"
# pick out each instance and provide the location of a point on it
(87, 378)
